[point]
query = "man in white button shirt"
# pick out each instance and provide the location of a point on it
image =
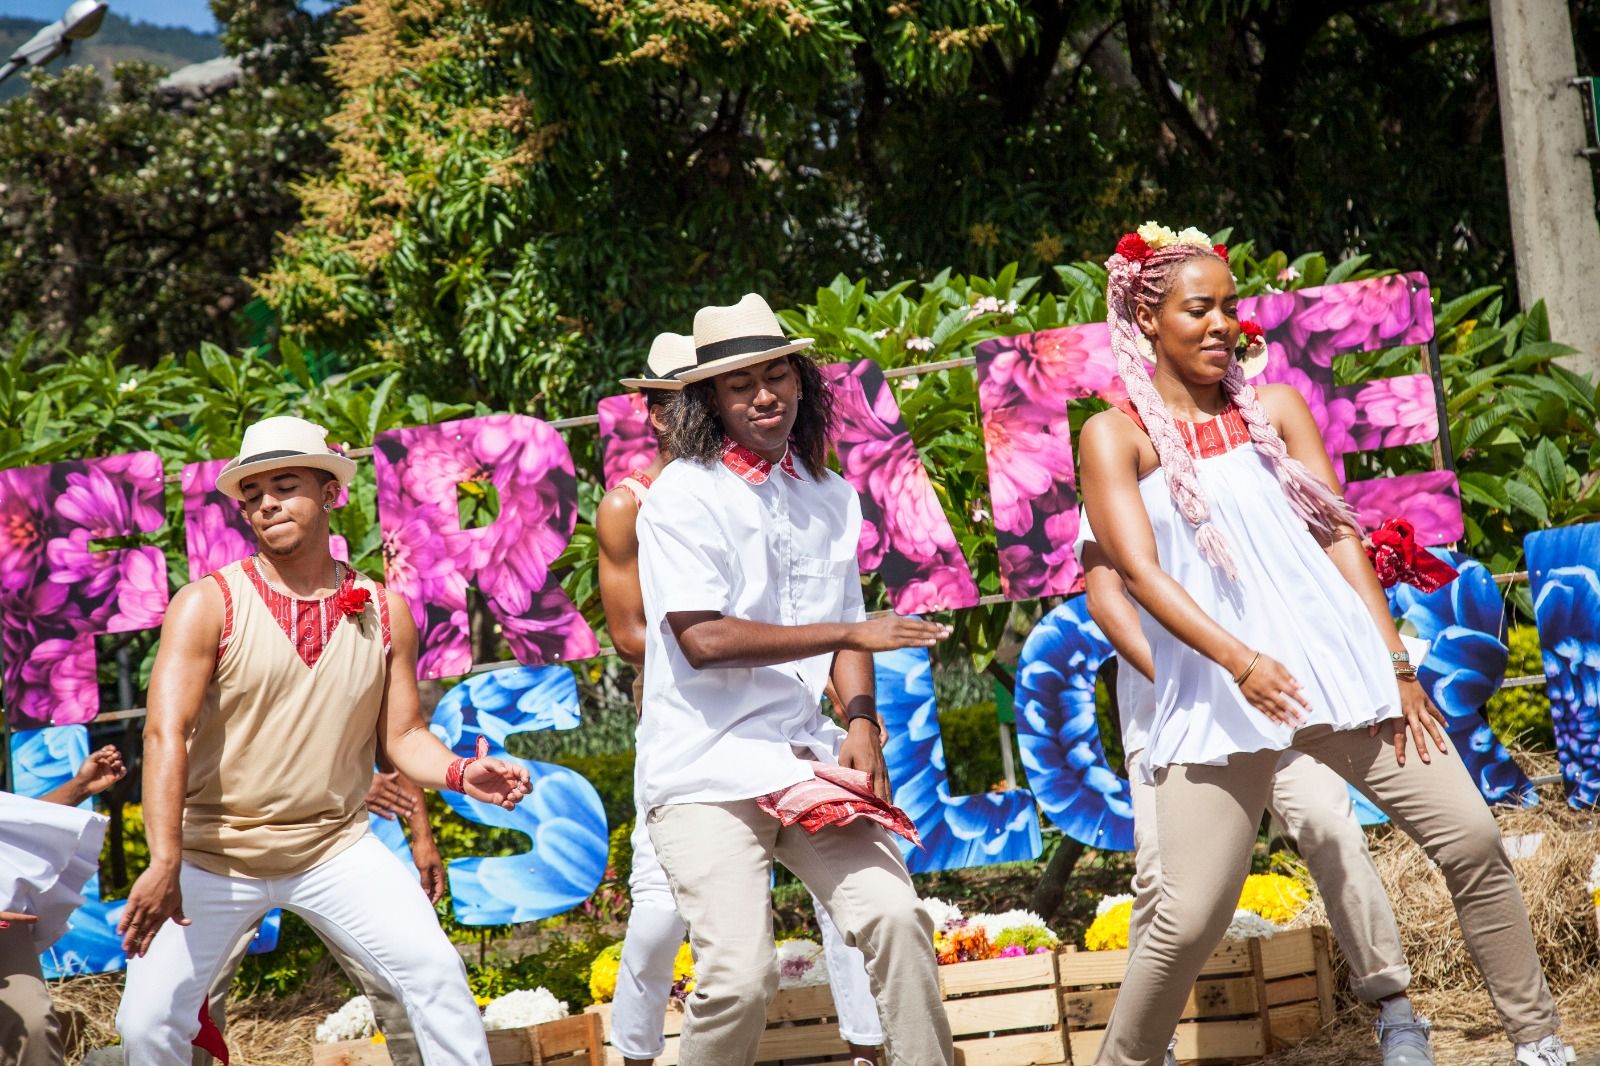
(752, 596)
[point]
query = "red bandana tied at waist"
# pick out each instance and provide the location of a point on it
(836, 796)
(1397, 557)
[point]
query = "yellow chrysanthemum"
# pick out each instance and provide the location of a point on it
(603, 973)
(1273, 896)
(1109, 932)
(1597, 898)
(683, 968)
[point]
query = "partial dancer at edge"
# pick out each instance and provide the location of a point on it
(275, 680)
(1269, 630)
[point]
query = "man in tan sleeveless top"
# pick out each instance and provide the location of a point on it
(276, 680)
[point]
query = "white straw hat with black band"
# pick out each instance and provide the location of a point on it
(734, 337)
(278, 443)
(669, 354)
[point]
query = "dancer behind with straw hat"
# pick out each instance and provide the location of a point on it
(655, 932)
(752, 600)
(276, 681)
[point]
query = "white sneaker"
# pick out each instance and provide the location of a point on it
(1550, 1051)
(1405, 1041)
(1172, 1054)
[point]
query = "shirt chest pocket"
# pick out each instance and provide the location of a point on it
(818, 588)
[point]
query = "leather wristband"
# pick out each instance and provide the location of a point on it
(852, 716)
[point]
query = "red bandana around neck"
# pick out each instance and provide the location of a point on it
(750, 466)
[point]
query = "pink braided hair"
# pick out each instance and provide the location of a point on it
(1129, 284)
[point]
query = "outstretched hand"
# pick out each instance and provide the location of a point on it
(494, 781)
(1422, 720)
(1273, 690)
(101, 770)
(891, 632)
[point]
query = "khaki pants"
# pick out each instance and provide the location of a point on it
(30, 1034)
(1313, 805)
(386, 1006)
(1207, 818)
(718, 858)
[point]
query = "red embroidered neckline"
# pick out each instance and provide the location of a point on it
(751, 467)
(309, 624)
(641, 477)
(1204, 440)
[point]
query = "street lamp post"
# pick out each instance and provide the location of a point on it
(82, 20)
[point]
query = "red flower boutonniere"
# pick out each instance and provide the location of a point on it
(1252, 339)
(352, 600)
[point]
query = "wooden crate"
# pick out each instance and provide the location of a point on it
(1003, 1012)
(574, 1041)
(1253, 997)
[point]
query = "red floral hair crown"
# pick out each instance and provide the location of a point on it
(1137, 247)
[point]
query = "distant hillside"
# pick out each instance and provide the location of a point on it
(118, 40)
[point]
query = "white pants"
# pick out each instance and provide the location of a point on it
(1313, 805)
(655, 932)
(363, 899)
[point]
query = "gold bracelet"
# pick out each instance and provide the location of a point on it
(1405, 672)
(1246, 672)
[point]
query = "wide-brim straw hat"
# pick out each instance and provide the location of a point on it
(669, 354)
(279, 442)
(734, 337)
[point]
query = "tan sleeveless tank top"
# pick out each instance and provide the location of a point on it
(281, 759)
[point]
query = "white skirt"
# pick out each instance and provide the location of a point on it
(1290, 602)
(47, 853)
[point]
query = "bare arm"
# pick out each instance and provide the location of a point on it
(1289, 413)
(712, 639)
(405, 738)
(1114, 613)
(184, 663)
(1110, 477)
(615, 526)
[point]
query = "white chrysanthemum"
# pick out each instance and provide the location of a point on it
(1108, 902)
(1195, 237)
(995, 924)
(1247, 924)
(104, 1056)
(1156, 235)
(353, 1021)
(1594, 875)
(800, 964)
(946, 916)
(921, 344)
(524, 1007)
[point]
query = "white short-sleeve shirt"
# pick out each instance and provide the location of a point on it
(746, 540)
(1136, 694)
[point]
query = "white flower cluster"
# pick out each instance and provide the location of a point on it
(104, 1056)
(1247, 924)
(1108, 902)
(995, 924)
(1158, 236)
(1594, 875)
(946, 916)
(800, 964)
(353, 1021)
(990, 305)
(923, 344)
(524, 1007)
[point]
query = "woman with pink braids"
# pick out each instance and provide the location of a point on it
(1218, 505)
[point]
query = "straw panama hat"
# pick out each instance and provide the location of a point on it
(731, 338)
(279, 442)
(669, 353)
